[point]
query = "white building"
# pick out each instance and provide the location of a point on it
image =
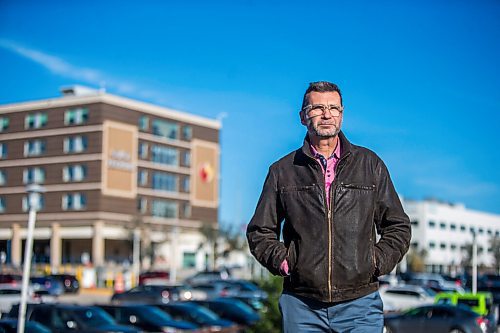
(444, 229)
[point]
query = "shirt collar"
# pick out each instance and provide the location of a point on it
(335, 154)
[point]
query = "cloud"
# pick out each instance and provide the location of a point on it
(91, 76)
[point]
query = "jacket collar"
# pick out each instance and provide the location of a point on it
(345, 146)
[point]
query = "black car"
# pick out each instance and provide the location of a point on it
(231, 309)
(66, 318)
(10, 326)
(437, 319)
(149, 294)
(199, 315)
(148, 318)
(70, 282)
(491, 283)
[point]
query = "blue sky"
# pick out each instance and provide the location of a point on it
(421, 80)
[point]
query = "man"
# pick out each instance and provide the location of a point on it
(333, 197)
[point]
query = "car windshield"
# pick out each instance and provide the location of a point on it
(94, 317)
(152, 313)
(200, 313)
(34, 327)
(429, 291)
(237, 304)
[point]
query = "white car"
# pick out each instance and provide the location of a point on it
(10, 295)
(403, 297)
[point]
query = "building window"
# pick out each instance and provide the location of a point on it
(186, 210)
(36, 120)
(489, 232)
(186, 158)
(414, 222)
(453, 247)
(432, 224)
(481, 231)
(188, 260)
(4, 123)
(163, 208)
(74, 173)
(143, 150)
(472, 230)
(442, 246)
(3, 150)
(33, 175)
(76, 116)
(165, 155)
(432, 245)
(142, 205)
(185, 183)
(3, 205)
(165, 129)
(453, 227)
(142, 177)
(462, 228)
(74, 201)
(165, 181)
(143, 123)
(40, 204)
(3, 177)
(187, 132)
(442, 225)
(75, 144)
(497, 233)
(414, 245)
(34, 147)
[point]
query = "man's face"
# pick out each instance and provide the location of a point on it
(325, 125)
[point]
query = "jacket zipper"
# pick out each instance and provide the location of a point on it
(330, 220)
(330, 223)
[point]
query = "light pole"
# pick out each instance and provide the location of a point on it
(474, 262)
(137, 254)
(34, 191)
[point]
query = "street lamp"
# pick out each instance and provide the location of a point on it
(34, 194)
(474, 262)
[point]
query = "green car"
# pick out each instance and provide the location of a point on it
(481, 302)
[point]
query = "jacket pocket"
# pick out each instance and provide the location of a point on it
(292, 256)
(355, 186)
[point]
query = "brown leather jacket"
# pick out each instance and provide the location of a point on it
(333, 254)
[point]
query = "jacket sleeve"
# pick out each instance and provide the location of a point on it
(263, 231)
(392, 223)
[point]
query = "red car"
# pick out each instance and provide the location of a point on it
(154, 277)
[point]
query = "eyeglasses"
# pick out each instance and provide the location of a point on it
(314, 110)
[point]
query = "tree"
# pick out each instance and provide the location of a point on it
(211, 234)
(495, 250)
(270, 315)
(467, 257)
(416, 260)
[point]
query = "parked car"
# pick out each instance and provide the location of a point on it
(148, 318)
(154, 277)
(403, 297)
(52, 285)
(437, 319)
(206, 276)
(490, 283)
(10, 295)
(70, 282)
(231, 309)
(199, 315)
(10, 326)
(434, 281)
(10, 278)
(481, 303)
(68, 318)
(153, 294)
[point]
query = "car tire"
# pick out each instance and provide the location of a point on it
(456, 330)
(387, 329)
